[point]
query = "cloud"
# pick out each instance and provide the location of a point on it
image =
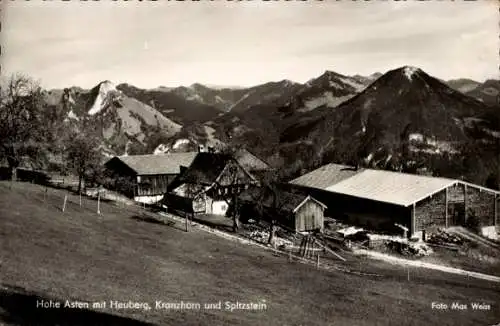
(246, 42)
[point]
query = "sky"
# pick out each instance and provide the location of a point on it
(244, 43)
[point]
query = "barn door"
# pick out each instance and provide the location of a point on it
(456, 213)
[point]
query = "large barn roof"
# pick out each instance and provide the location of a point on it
(391, 187)
(384, 186)
(326, 176)
(158, 164)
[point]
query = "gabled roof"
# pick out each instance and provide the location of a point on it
(206, 169)
(157, 164)
(309, 198)
(286, 201)
(384, 186)
(391, 187)
(250, 162)
(326, 176)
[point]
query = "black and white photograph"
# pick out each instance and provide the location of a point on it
(250, 162)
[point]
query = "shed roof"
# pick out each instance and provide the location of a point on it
(286, 201)
(326, 176)
(158, 164)
(391, 187)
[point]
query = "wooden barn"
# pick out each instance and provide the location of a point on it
(379, 199)
(146, 177)
(296, 212)
(208, 185)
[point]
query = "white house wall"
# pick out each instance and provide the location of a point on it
(148, 199)
(490, 232)
(219, 207)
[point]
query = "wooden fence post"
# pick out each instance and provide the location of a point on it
(317, 261)
(64, 205)
(98, 202)
(305, 248)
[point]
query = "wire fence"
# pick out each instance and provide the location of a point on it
(306, 249)
(88, 198)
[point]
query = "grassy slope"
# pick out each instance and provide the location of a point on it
(79, 255)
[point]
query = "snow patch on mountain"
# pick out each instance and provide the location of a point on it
(179, 142)
(212, 141)
(239, 101)
(416, 137)
(326, 98)
(161, 149)
(409, 71)
(493, 133)
(351, 82)
(334, 84)
(195, 97)
(72, 115)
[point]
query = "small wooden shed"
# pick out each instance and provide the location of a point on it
(297, 212)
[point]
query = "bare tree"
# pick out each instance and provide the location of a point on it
(233, 183)
(22, 135)
(83, 153)
(268, 203)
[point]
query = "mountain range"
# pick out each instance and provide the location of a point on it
(378, 117)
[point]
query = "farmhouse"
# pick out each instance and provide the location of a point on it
(146, 177)
(300, 213)
(251, 163)
(208, 185)
(380, 199)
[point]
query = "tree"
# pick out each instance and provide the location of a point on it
(23, 134)
(233, 181)
(82, 153)
(493, 181)
(268, 204)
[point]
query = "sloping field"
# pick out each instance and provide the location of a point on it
(79, 255)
